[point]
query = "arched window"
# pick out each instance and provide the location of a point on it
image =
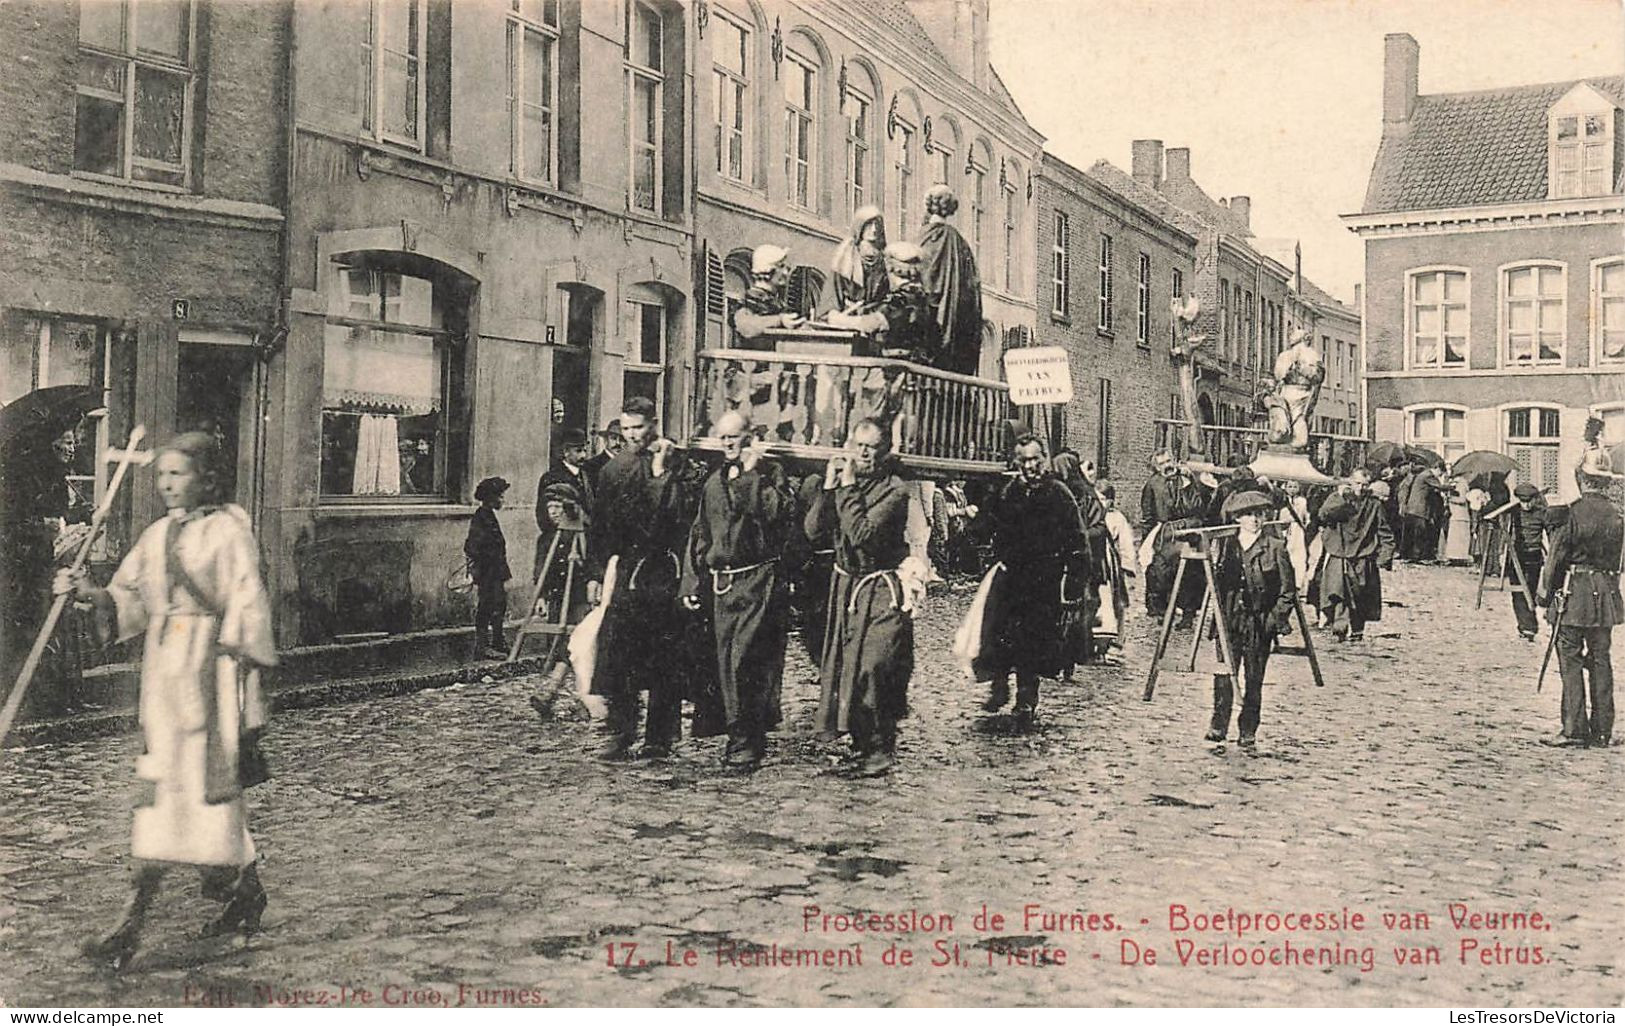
(981, 161)
(1533, 311)
(858, 103)
(732, 65)
(1608, 310)
(1437, 323)
(945, 143)
(1012, 222)
(801, 128)
(903, 127)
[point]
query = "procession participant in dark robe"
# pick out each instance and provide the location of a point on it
(1358, 545)
(1525, 526)
(1087, 568)
(948, 273)
(1583, 571)
(642, 518)
(734, 551)
(1255, 584)
(191, 587)
(859, 266)
(767, 302)
(811, 566)
(862, 512)
(1037, 535)
(1174, 500)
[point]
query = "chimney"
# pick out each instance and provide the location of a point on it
(1400, 59)
(1148, 162)
(1179, 165)
(1241, 208)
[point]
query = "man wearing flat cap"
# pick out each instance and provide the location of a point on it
(767, 302)
(1255, 584)
(1526, 528)
(1583, 572)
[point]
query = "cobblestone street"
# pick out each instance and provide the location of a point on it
(450, 844)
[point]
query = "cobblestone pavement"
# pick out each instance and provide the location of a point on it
(449, 844)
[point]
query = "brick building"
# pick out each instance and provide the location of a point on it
(1495, 271)
(1111, 264)
(142, 183)
(808, 111)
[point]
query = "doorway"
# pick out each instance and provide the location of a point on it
(215, 394)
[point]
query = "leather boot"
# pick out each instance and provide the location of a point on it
(118, 947)
(242, 913)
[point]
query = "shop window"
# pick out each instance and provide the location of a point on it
(390, 388)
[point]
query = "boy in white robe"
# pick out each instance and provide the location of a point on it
(191, 584)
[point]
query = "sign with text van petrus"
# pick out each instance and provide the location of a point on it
(1038, 374)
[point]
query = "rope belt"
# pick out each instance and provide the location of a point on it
(889, 576)
(632, 579)
(731, 572)
(1581, 568)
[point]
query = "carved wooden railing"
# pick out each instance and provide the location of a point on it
(811, 402)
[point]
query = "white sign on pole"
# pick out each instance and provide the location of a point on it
(1038, 374)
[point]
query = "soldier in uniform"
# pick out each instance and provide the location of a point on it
(1583, 574)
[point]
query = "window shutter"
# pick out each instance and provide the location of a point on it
(715, 283)
(1390, 425)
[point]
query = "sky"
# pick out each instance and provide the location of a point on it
(1280, 100)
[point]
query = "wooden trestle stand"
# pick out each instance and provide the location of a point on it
(558, 624)
(1498, 544)
(1197, 544)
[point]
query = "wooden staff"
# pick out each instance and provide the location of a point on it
(123, 457)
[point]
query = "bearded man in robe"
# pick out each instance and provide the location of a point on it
(862, 513)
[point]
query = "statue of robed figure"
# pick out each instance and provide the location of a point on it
(948, 274)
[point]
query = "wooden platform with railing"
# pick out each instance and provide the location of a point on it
(804, 397)
(1331, 453)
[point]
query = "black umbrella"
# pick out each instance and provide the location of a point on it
(44, 413)
(1483, 461)
(1427, 457)
(1383, 453)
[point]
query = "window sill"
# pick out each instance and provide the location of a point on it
(1107, 335)
(141, 198)
(338, 510)
(1057, 318)
(132, 183)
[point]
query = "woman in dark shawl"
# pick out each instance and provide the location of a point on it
(948, 273)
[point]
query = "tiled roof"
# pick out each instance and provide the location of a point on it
(1121, 182)
(1468, 149)
(896, 14)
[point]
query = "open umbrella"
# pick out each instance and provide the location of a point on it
(1482, 461)
(1383, 453)
(43, 413)
(1428, 457)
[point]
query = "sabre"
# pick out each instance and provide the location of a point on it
(124, 458)
(1562, 601)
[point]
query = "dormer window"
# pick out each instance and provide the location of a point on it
(1581, 145)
